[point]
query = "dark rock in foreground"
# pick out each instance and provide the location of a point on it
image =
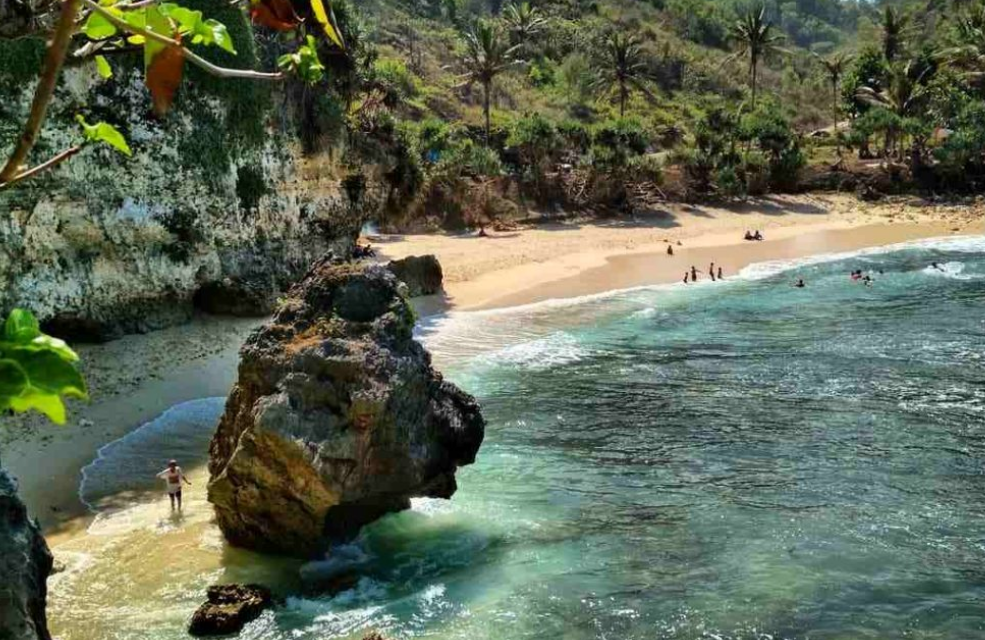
(421, 274)
(229, 608)
(25, 563)
(337, 418)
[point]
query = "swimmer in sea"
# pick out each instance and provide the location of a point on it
(937, 266)
(800, 284)
(174, 477)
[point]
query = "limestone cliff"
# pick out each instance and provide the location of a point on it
(337, 417)
(217, 207)
(25, 563)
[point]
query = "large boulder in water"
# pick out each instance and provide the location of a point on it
(337, 418)
(229, 608)
(25, 563)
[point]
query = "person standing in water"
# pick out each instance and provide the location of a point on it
(720, 276)
(686, 274)
(174, 477)
(711, 271)
(694, 274)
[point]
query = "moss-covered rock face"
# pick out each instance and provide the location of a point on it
(212, 201)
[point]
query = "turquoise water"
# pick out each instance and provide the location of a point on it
(737, 460)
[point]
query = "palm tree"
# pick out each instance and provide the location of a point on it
(834, 67)
(968, 55)
(756, 37)
(487, 54)
(894, 26)
(524, 21)
(904, 95)
(621, 67)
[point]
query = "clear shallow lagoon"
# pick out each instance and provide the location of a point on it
(737, 460)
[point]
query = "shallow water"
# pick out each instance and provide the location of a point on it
(737, 460)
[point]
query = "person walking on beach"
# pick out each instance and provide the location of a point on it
(174, 477)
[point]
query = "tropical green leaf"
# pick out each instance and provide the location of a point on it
(36, 370)
(21, 327)
(13, 380)
(97, 27)
(322, 16)
(102, 66)
(103, 132)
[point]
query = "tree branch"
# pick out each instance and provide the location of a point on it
(45, 89)
(44, 166)
(198, 61)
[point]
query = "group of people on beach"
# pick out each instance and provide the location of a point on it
(692, 275)
(753, 236)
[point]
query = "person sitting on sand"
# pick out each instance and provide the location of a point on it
(670, 249)
(174, 477)
(748, 235)
(757, 235)
(800, 284)
(482, 231)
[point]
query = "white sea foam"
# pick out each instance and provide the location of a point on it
(532, 335)
(544, 353)
(953, 270)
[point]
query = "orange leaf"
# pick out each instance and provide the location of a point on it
(275, 14)
(164, 76)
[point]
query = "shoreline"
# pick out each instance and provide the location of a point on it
(557, 260)
(136, 378)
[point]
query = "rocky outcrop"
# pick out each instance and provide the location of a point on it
(25, 563)
(337, 418)
(229, 608)
(218, 208)
(421, 274)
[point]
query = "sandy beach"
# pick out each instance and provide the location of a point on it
(134, 379)
(579, 257)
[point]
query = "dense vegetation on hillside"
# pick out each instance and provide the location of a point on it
(479, 108)
(473, 110)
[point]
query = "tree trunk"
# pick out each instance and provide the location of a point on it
(622, 99)
(754, 64)
(485, 107)
(834, 111)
